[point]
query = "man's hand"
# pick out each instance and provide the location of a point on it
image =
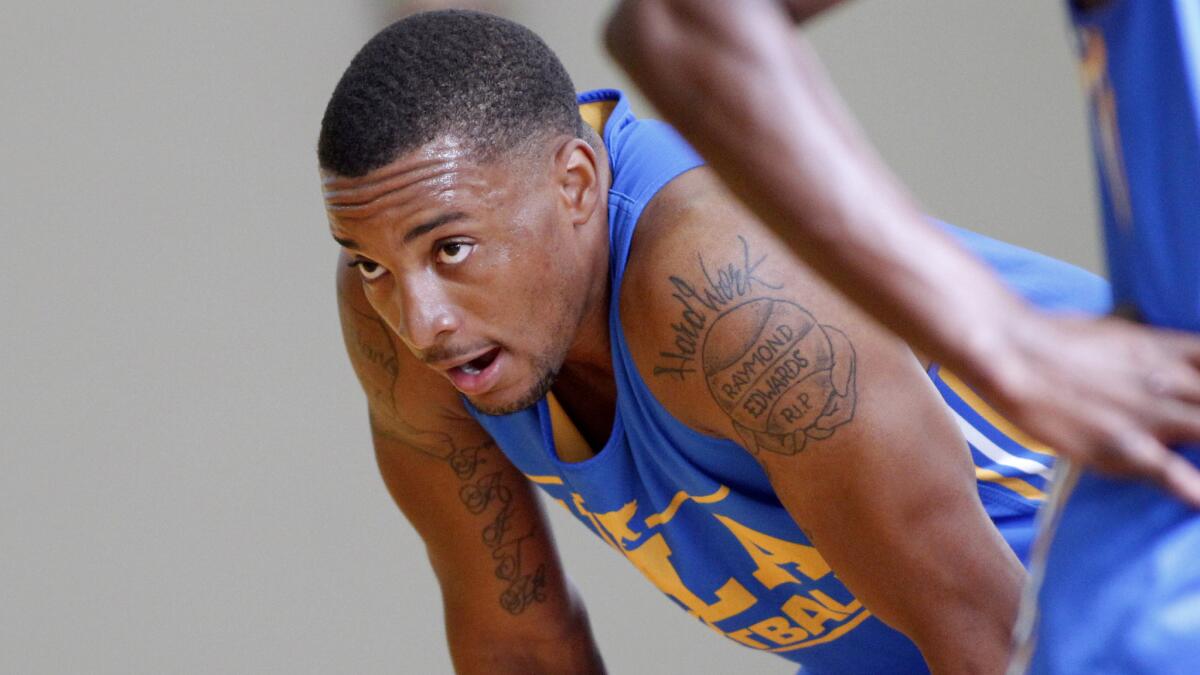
(1107, 393)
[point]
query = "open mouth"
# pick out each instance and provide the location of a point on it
(479, 375)
(479, 364)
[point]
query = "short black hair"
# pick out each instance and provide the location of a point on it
(489, 81)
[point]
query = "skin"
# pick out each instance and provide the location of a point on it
(891, 418)
(734, 79)
(537, 228)
(508, 606)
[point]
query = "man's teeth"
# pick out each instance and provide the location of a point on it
(469, 369)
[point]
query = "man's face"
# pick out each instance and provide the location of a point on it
(478, 268)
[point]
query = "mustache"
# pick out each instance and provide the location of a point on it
(439, 353)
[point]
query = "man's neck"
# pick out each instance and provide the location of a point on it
(585, 387)
(588, 396)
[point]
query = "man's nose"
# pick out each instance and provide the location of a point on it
(427, 315)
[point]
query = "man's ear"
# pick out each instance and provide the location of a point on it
(578, 178)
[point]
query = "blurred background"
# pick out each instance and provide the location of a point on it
(186, 481)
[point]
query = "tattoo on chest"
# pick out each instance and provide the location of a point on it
(779, 374)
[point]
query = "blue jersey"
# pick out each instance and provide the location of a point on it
(697, 515)
(1141, 71)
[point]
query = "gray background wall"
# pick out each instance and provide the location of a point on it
(186, 484)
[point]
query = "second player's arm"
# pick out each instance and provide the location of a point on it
(739, 83)
(507, 604)
(752, 97)
(857, 443)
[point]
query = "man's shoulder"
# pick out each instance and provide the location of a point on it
(733, 334)
(695, 253)
(647, 156)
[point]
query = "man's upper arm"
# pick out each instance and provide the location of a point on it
(840, 414)
(483, 528)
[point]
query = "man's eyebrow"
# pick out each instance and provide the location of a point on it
(347, 243)
(435, 223)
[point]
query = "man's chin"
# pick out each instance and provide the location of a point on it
(496, 407)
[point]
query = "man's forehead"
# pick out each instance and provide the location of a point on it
(442, 170)
(435, 160)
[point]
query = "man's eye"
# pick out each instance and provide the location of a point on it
(369, 270)
(454, 252)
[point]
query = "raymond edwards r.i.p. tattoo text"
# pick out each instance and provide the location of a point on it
(780, 375)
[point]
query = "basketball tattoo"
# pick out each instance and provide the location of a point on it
(781, 376)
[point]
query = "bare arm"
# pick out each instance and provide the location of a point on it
(508, 606)
(753, 99)
(857, 443)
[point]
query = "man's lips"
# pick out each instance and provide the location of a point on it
(446, 365)
(475, 375)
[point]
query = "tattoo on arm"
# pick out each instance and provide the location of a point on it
(780, 375)
(484, 493)
(373, 348)
(524, 588)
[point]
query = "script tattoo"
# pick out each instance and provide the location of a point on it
(699, 303)
(523, 589)
(484, 493)
(369, 338)
(781, 376)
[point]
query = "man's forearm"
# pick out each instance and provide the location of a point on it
(567, 656)
(752, 98)
(484, 650)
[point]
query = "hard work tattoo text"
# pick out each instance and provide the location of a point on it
(700, 304)
(484, 492)
(780, 375)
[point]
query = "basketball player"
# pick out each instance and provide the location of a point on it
(1120, 592)
(543, 290)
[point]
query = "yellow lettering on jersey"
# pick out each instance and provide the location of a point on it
(617, 523)
(832, 635)
(743, 636)
(834, 605)
(806, 619)
(771, 555)
(600, 529)
(810, 614)
(678, 500)
(653, 559)
(779, 630)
